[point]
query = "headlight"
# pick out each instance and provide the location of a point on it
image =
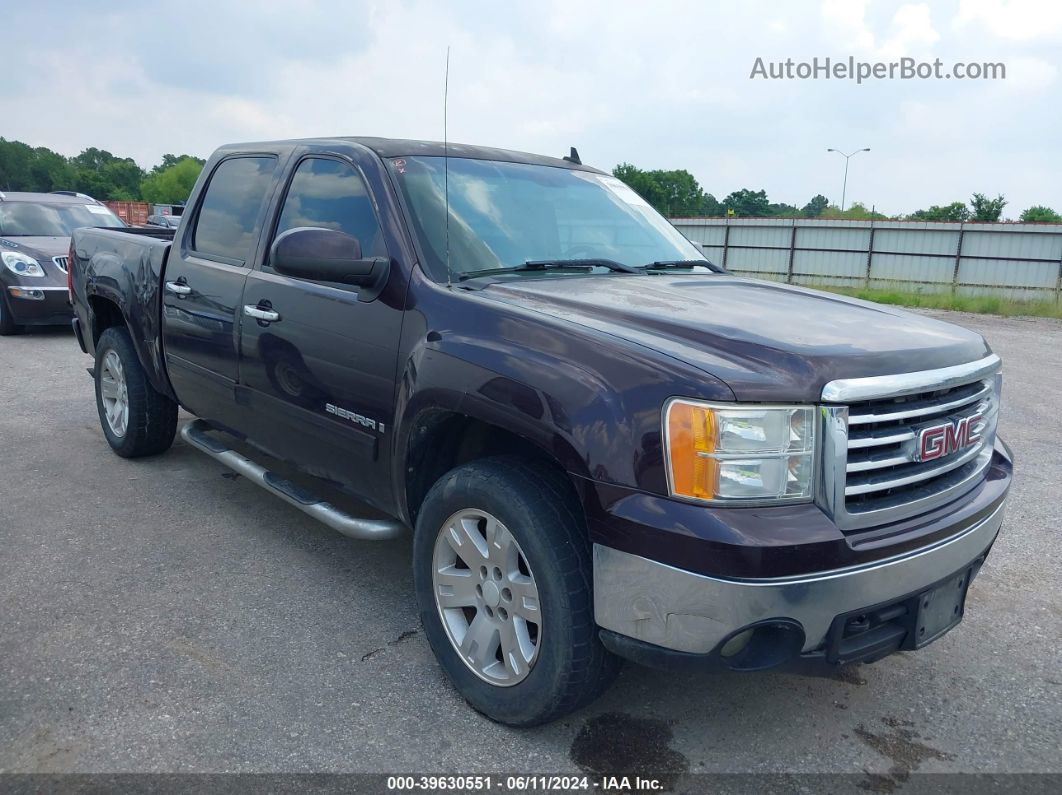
(740, 454)
(20, 264)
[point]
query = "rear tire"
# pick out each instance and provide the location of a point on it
(521, 523)
(137, 420)
(8, 326)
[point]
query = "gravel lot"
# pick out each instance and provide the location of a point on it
(161, 615)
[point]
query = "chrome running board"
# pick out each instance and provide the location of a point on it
(195, 434)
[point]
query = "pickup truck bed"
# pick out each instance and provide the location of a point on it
(126, 273)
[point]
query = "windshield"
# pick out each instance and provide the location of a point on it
(503, 215)
(52, 220)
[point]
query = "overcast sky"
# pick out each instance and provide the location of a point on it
(657, 84)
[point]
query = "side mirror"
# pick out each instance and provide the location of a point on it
(327, 255)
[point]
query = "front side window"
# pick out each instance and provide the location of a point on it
(230, 209)
(330, 194)
(503, 215)
(30, 219)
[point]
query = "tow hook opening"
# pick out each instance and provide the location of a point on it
(762, 645)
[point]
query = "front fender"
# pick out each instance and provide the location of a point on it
(591, 401)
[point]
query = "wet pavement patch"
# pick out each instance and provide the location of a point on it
(616, 744)
(902, 746)
(409, 633)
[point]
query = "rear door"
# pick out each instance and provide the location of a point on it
(204, 282)
(320, 378)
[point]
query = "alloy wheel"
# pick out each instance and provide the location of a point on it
(487, 597)
(114, 393)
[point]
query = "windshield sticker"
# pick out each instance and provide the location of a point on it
(400, 164)
(623, 191)
(97, 209)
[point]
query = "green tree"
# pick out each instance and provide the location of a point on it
(172, 184)
(1040, 214)
(815, 207)
(748, 204)
(986, 209)
(103, 176)
(956, 211)
(856, 211)
(711, 207)
(172, 160)
(671, 193)
(50, 170)
(24, 168)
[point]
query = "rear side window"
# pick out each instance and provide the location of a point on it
(234, 198)
(331, 194)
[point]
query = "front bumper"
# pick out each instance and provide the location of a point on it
(33, 305)
(658, 605)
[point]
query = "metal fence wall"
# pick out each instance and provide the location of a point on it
(1019, 261)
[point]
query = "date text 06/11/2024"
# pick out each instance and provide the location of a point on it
(522, 783)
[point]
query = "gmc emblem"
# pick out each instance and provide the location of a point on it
(937, 441)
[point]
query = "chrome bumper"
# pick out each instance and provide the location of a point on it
(688, 612)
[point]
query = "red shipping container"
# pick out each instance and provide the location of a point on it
(134, 213)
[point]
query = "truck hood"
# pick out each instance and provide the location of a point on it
(766, 341)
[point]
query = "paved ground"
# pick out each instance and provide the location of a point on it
(160, 616)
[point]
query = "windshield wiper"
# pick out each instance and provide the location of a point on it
(682, 264)
(532, 266)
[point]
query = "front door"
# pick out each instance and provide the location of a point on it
(204, 282)
(320, 377)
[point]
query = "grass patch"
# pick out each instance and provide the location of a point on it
(979, 304)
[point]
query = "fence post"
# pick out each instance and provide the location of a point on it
(958, 259)
(792, 249)
(870, 250)
(726, 240)
(1058, 284)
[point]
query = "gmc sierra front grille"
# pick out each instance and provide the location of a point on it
(893, 456)
(60, 263)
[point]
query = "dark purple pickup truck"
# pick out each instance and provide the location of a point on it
(607, 446)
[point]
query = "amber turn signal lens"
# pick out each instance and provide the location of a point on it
(691, 432)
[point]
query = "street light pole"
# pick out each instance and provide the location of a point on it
(844, 187)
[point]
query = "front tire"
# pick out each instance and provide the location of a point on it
(137, 420)
(503, 577)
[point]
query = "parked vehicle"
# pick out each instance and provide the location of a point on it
(606, 445)
(34, 240)
(167, 221)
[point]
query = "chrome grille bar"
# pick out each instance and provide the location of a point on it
(879, 438)
(61, 263)
(868, 484)
(852, 390)
(921, 408)
(872, 468)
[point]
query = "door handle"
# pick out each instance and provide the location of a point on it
(268, 315)
(178, 288)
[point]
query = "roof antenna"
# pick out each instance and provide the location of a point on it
(446, 166)
(573, 157)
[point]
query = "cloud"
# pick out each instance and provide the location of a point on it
(1016, 20)
(662, 85)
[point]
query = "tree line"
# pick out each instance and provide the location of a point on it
(97, 173)
(676, 194)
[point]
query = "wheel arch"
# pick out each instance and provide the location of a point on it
(441, 439)
(107, 311)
